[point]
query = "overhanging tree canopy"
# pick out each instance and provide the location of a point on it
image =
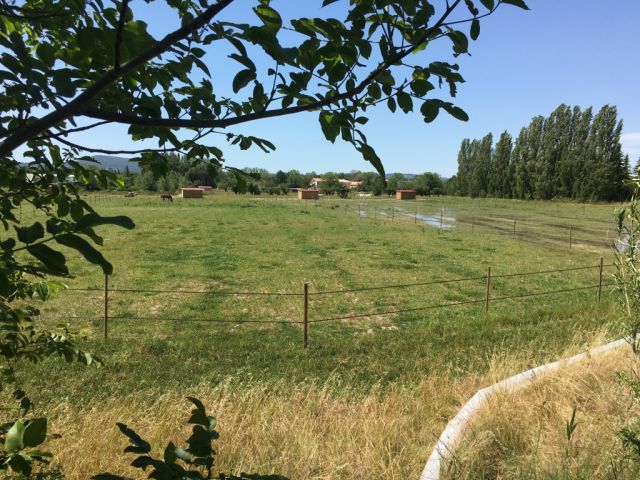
(74, 65)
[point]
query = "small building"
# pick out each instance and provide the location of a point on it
(192, 193)
(405, 194)
(308, 194)
(206, 188)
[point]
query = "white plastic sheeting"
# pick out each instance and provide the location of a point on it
(457, 425)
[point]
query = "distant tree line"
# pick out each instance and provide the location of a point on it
(569, 154)
(182, 173)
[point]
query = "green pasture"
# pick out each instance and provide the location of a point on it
(226, 243)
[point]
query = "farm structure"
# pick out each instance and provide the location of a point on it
(405, 194)
(192, 193)
(205, 188)
(308, 194)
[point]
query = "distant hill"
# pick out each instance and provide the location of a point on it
(408, 176)
(114, 163)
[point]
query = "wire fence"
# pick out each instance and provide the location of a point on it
(308, 296)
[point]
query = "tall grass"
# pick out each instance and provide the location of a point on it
(524, 435)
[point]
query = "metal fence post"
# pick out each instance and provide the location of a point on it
(415, 218)
(600, 280)
(486, 302)
(306, 316)
(106, 306)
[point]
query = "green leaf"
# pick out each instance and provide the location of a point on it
(517, 3)
(35, 432)
(460, 41)
(198, 414)
(430, 110)
(52, 259)
(86, 250)
(199, 442)
(30, 234)
(456, 112)
(421, 87)
(391, 104)
(242, 79)
(21, 463)
(330, 130)
(405, 102)
(488, 4)
(270, 17)
(386, 78)
(173, 453)
(244, 60)
(370, 155)
(14, 439)
(475, 29)
(93, 219)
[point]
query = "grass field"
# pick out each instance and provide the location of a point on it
(370, 395)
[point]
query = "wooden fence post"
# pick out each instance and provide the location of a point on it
(600, 280)
(514, 228)
(570, 236)
(473, 223)
(306, 316)
(106, 306)
(415, 218)
(441, 210)
(486, 302)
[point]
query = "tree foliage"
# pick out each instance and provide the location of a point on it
(570, 154)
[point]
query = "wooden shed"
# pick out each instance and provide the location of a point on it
(308, 194)
(192, 193)
(405, 194)
(206, 188)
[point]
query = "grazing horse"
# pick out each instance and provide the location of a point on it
(166, 196)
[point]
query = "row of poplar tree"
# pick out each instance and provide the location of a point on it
(571, 153)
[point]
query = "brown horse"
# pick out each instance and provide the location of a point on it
(166, 196)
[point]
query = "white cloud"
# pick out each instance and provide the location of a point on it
(631, 144)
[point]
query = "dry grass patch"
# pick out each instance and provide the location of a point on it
(523, 435)
(302, 431)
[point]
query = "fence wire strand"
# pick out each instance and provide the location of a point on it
(453, 304)
(189, 292)
(329, 292)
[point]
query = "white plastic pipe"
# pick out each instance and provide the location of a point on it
(457, 425)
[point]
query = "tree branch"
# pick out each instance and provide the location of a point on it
(23, 134)
(116, 152)
(100, 114)
(121, 21)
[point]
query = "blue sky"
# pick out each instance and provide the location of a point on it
(578, 52)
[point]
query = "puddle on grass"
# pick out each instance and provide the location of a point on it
(448, 221)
